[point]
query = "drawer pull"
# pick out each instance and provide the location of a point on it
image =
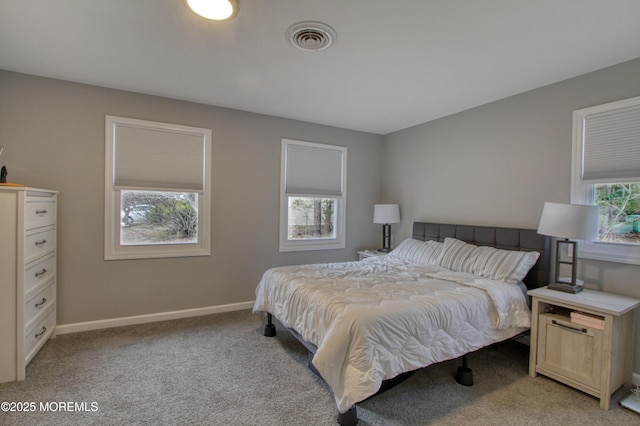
(44, 300)
(579, 330)
(44, 330)
(41, 212)
(39, 243)
(41, 273)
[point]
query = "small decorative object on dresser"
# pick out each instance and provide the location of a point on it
(584, 340)
(3, 171)
(27, 276)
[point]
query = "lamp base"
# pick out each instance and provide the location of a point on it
(567, 288)
(384, 250)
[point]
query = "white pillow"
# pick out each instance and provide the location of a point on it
(419, 252)
(455, 254)
(496, 264)
(503, 265)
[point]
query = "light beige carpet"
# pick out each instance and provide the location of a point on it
(220, 370)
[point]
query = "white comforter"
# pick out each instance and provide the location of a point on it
(374, 319)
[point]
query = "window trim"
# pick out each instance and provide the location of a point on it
(113, 250)
(583, 193)
(339, 242)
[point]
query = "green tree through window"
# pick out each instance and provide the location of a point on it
(619, 212)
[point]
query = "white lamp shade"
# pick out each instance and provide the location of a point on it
(386, 213)
(573, 221)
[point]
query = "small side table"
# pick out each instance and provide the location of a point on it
(363, 254)
(596, 359)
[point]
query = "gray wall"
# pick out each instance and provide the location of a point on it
(497, 164)
(494, 165)
(53, 132)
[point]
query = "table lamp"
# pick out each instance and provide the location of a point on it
(386, 214)
(565, 222)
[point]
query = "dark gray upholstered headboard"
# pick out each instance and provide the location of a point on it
(502, 238)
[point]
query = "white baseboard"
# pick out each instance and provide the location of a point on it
(143, 319)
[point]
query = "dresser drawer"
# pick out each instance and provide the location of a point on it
(39, 212)
(36, 274)
(35, 337)
(39, 303)
(38, 243)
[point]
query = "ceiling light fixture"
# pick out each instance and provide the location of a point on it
(217, 10)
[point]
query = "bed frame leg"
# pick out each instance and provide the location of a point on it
(348, 418)
(464, 375)
(269, 329)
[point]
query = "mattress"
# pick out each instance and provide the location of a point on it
(374, 319)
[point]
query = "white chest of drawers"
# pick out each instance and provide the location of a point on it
(28, 253)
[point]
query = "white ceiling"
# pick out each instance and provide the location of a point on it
(395, 64)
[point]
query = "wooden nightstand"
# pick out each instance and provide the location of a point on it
(363, 254)
(593, 360)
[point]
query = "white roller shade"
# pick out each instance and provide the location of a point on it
(312, 169)
(149, 157)
(612, 146)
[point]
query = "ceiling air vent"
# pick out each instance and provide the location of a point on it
(312, 36)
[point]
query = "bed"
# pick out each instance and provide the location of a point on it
(444, 293)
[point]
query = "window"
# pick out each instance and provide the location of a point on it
(312, 196)
(606, 172)
(156, 189)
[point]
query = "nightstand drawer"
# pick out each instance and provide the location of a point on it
(572, 350)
